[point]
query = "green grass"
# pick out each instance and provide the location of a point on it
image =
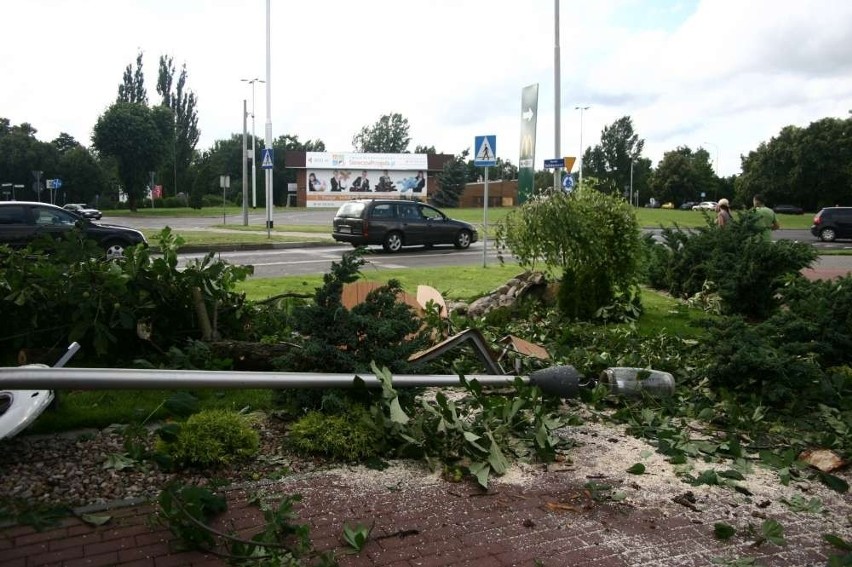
(82, 409)
(459, 283)
(203, 237)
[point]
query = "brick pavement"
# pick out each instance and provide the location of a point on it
(547, 519)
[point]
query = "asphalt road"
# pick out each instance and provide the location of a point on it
(317, 259)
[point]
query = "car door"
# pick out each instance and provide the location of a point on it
(16, 230)
(412, 223)
(52, 221)
(843, 220)
(438, 229)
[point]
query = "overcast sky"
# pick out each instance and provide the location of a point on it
(722, 74)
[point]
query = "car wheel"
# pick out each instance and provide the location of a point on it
(114, 250)
(827, 235)
(393, 242)
(462, 239)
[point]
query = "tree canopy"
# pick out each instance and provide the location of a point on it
(609, 161)
(685, 175)
(388, 135)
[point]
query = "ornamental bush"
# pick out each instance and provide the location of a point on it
(211, 438)
(589, 239)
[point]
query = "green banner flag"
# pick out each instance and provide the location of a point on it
(526, 162)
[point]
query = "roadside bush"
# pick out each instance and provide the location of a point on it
(590, 238)
(212, 438)
(351, 435)
(747, 272)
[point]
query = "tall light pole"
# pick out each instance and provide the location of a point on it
(557, 172)
(253, 149)
(716, 185)
(581, 109)
(268, 136)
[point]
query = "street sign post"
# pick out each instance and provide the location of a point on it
(554, 163)
(485, 154)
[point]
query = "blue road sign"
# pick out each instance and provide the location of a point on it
(266, 159)
(554, 163)
(568, 183)
(485, 151)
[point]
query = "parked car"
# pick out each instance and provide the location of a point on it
(84, 210)
(22, 222)
(687, 206)
(705, 206)
(788, 210)
(397, 223)
(668, 205)
(833, 222)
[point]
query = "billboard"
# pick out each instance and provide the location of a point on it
(336, 177)
(330, 187)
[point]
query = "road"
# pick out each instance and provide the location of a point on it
(317, 259)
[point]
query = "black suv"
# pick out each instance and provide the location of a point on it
(22, 222)
(833, 222)
(397, 223)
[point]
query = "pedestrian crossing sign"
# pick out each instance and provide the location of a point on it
(485, 150)
(266, 162)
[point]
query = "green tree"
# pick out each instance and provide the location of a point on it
(132, 88)
(388, 135)
(65, 142)
(609, 161)
(21, 153)
(592, 238)
(684, 175)
(182, 103)
(424, 149)
(135, 136)
(84, 180)
(452, 181)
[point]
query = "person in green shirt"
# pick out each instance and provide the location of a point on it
(766, 219)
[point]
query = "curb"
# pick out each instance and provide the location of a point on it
(246, 247)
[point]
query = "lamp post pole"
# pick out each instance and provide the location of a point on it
(581, 109)
(253, 149)
(716, 185)
(268, 133)
(557, 172)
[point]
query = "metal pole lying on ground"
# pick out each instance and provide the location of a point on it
(563, 381)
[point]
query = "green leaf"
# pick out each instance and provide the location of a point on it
(499, 463)
(119, 462)
(95, 520)
(480, 470)
(838, 542)
(773, 532)
(181, 404)
(723, 531)
(637, 468)
(730, 473)
(833, 482)
(169, 432)
(397, 414)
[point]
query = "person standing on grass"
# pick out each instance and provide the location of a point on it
(723, 213)
(766, 219)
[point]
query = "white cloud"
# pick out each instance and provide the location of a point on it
(725, 74)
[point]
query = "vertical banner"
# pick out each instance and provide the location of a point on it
(526, 161)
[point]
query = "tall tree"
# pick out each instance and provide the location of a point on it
(609, 161)
(389, 135)
(21, 154)
(684, 175)
(136, 137)
(452, 181)
(418, 149)
(132, 88)
(182, 103)
(84, 180)
(65, 142)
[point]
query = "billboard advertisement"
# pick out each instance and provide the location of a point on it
(330, 187)
(336, 177)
